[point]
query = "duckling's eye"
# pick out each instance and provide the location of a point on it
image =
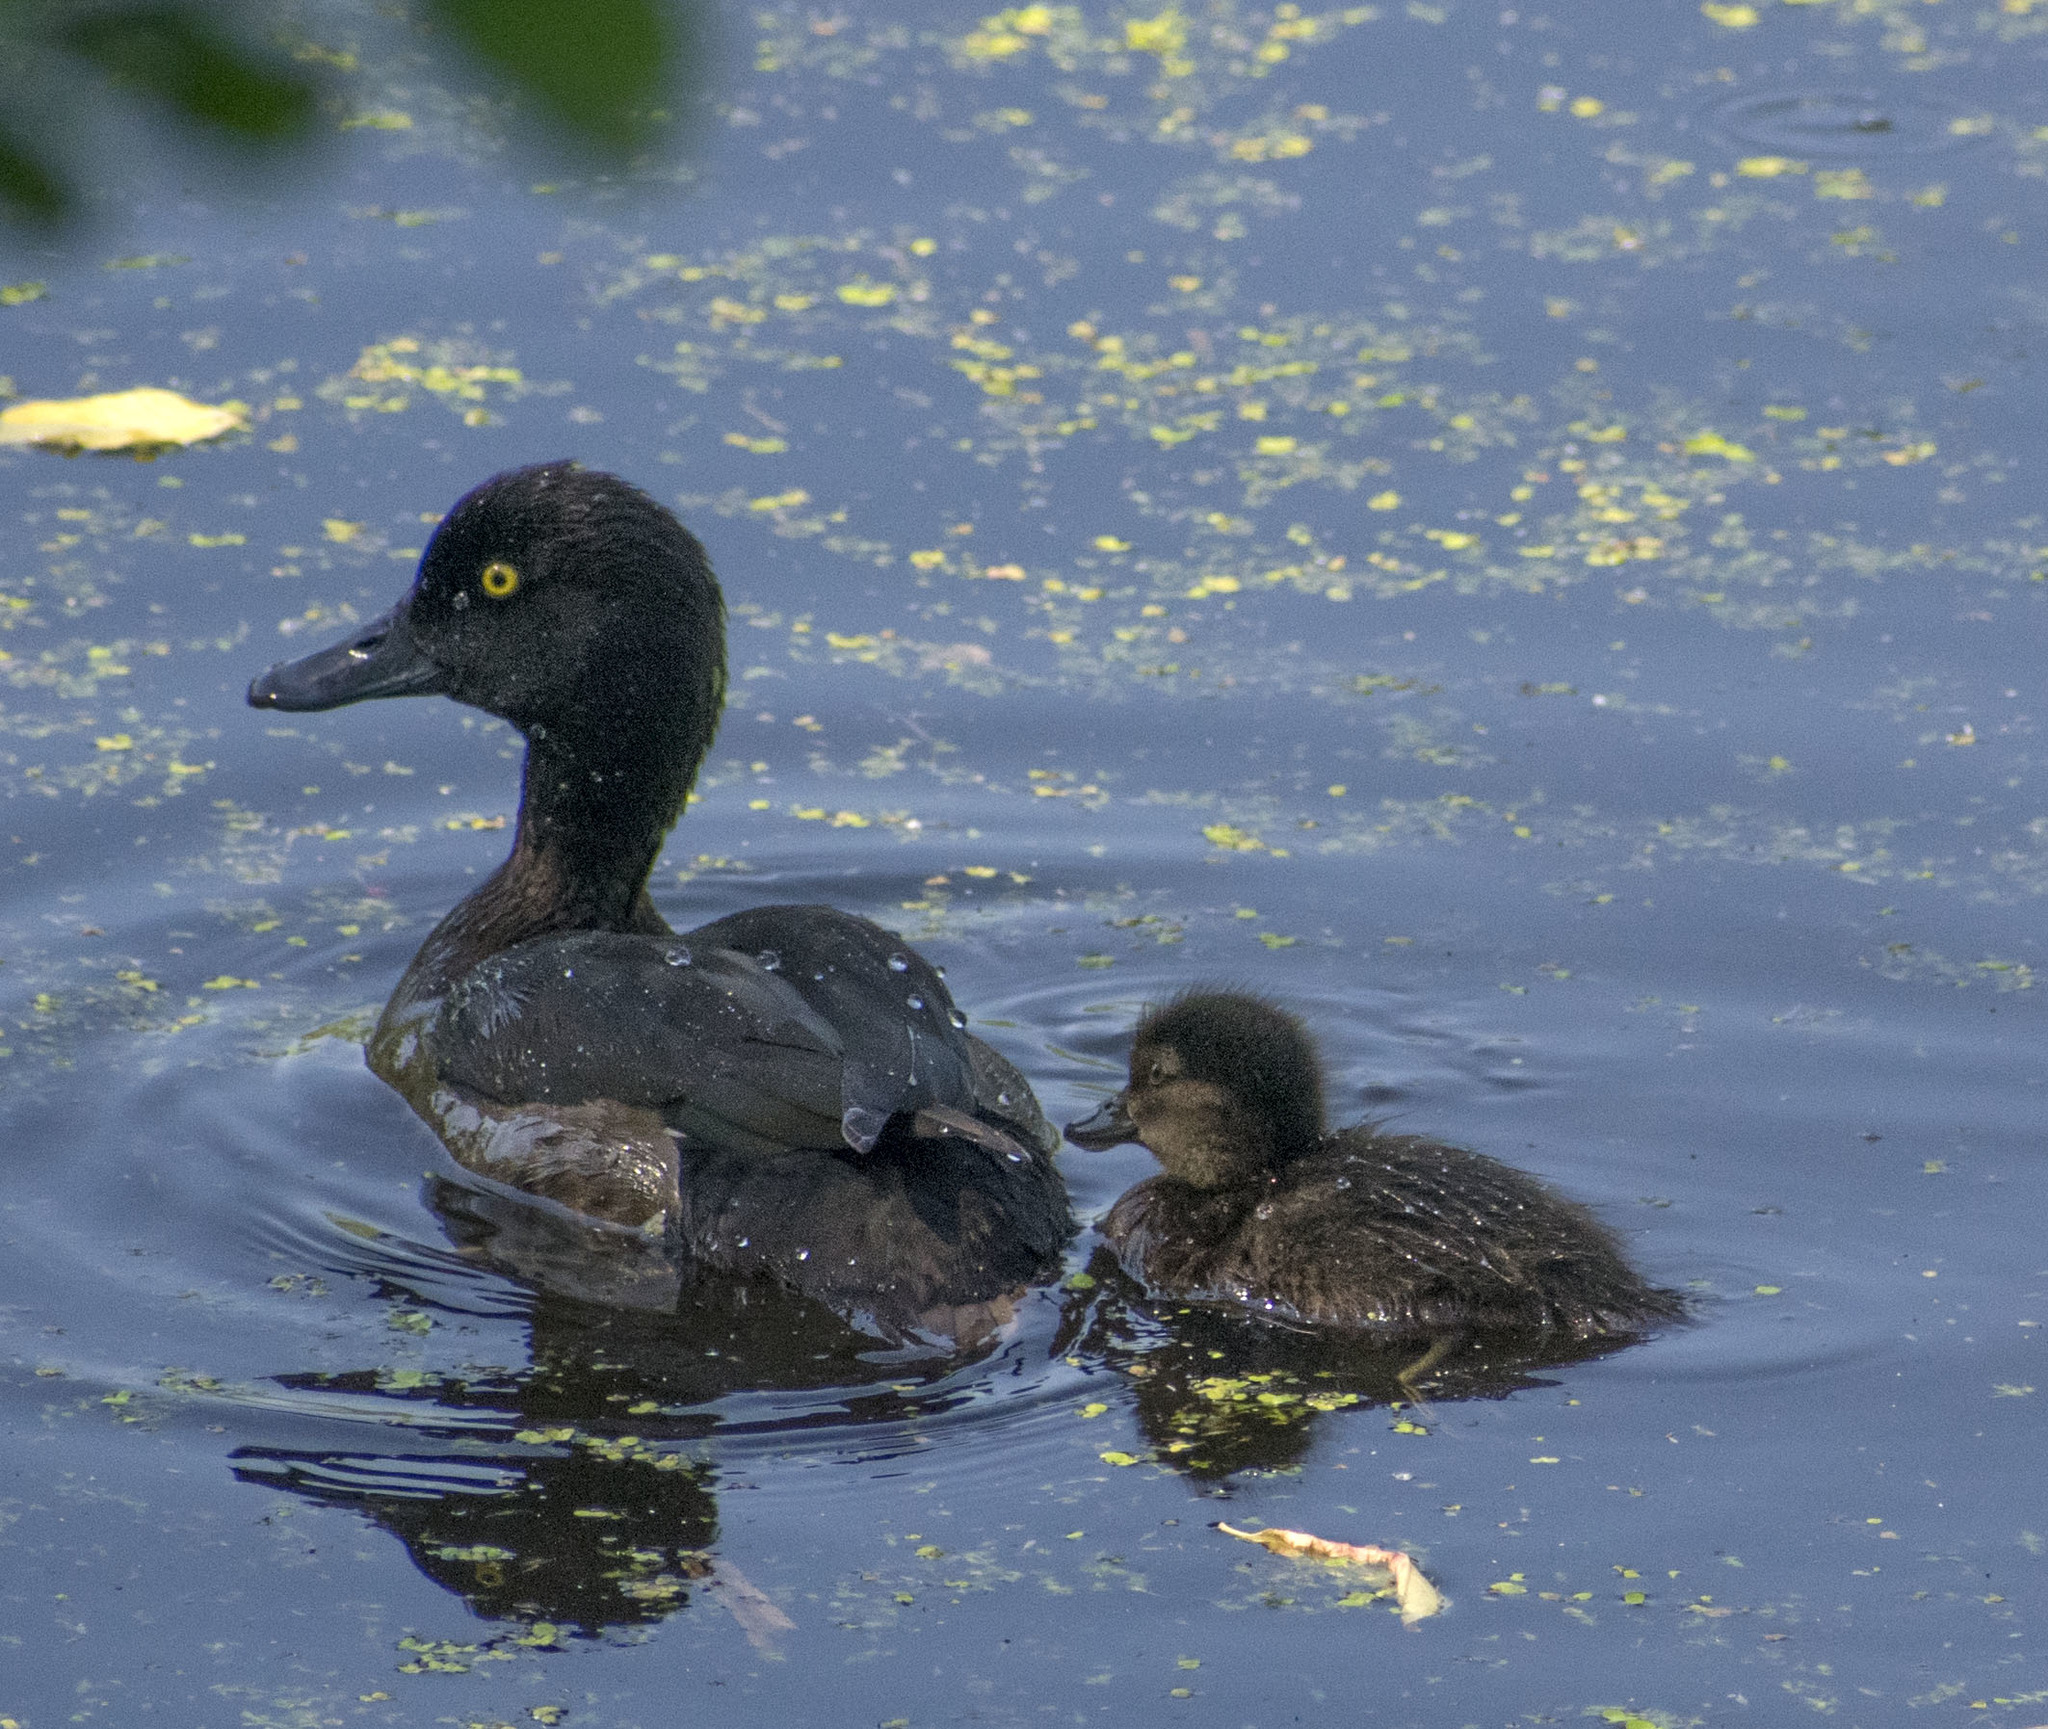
(1158, 1073)
(500, 581)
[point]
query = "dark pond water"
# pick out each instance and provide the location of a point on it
(1518, 532)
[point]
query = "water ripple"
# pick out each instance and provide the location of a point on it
(1837, 123)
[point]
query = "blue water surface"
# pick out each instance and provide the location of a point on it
(1517, 532)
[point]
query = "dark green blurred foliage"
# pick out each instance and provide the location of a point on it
(177, 55)
(29, 191)
(598, 68)
(596, 76)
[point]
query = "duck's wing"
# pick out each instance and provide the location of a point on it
(905, 1050)
(1002, 1092)
(721, 1047)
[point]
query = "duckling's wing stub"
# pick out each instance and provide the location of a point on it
(381, 659)
(885, 1001)
(722, 1049)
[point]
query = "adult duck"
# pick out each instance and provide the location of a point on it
(1259, 1204)
(787, 1091)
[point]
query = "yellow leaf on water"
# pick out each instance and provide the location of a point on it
(1843, 183)
(142, 419)
(1415, 1595)
(1713, 444)
(1232, 838)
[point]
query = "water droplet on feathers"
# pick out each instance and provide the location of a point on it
(898, 964)
(677, 957)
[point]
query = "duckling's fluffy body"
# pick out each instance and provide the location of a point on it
(788, 1090)
(1397, 1234)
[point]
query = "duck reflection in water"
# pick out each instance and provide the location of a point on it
(786, 1093)
(1376, 1243)
(1220, 1390)
(578, 1495)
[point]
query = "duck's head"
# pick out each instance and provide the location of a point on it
(1224, 1087)
(567, 602)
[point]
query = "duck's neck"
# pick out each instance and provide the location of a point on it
(591, 824)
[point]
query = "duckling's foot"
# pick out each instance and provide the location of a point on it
(1412, 1376)
(967, 1326)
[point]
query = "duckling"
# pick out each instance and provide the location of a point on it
(842, 1131)
(1260, 1205)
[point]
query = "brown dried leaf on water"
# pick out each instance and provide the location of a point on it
(756, 1612)
(143, 419)
(1416, 1597)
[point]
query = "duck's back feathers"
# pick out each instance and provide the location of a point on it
(703, 1036)
(808, 1110)
(1391, 1233)
(903, 1046)
(789, 1026)
(919, 1222)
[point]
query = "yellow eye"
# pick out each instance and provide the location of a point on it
(500, 580)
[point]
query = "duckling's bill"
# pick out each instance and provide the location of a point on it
(1108, 1125)
(381, 659)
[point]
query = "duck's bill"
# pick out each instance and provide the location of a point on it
(1109, 1125)
(381, 659)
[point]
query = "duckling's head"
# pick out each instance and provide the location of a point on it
(565, 601)
(1224, 1087)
